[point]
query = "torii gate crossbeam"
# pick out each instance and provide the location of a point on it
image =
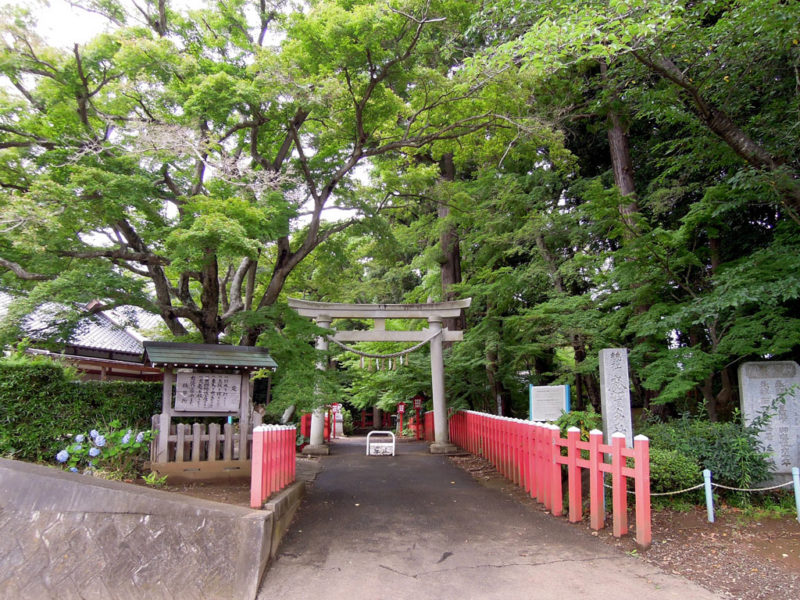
(324, 312)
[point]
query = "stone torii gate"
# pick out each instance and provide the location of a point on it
(324, 312)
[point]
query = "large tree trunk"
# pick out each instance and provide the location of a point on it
(495, 385)
(707, 390)
(451, 252)
(592, 391)
(210, 324)
(577, 343)
(622, 165)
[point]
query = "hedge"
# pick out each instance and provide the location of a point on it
(41, 403)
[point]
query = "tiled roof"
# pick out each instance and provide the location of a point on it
(98, 332)
(103, 334)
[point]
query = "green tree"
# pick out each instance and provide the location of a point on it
(185, 166)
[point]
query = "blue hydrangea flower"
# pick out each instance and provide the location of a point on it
(93, 433)
(139, 437)
(77, 447)
(62, 456)
(126, 438)
(74, 469)
(100, 440)
(79, 438)
(94, 452)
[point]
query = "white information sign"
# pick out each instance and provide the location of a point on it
(208, 392)
(547, 402)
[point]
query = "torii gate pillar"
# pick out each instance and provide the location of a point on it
(441, 444)
(317, 444)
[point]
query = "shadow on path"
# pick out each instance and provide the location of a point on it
(415, 526)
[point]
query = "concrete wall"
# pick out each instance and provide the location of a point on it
(65, 535)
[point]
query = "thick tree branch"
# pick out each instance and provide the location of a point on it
(20, 272)
(157, 276)
(237, 283)
(120, 254)
(295, 124)
(718, 121)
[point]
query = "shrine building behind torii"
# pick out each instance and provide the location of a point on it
(324, 312)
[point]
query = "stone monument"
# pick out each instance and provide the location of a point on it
(760, 384)
(615, 394)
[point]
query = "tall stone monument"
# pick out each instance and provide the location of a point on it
(760, 383)
(615, 394)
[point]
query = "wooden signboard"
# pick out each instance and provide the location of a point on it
(208, 392)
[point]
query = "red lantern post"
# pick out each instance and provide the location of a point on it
(401, 409)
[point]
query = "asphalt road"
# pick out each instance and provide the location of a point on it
(414, 526)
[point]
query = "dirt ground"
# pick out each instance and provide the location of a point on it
(236, 492)
(744, 558)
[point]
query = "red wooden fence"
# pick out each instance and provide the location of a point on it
(429, 433)
(273, 461)
(530, 455)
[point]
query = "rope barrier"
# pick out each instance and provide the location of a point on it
(392, 355)
(764, 489)
(696, 487)
(719, 485)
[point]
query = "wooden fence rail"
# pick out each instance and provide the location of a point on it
(531, 455)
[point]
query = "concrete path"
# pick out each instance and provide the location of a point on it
(416, 527)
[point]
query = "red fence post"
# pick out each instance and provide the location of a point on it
(289, 449)
(542, 458)
(641, 449)
(574, 475)
(556, 493)
(257, 468)
(503, 427)
(288, 455)
(292, 448)
(490, 422)
(530, 459)
(271, 463)
(619, 492)
(517, 452)
(270, 452)
(597, 516)
(522, 429)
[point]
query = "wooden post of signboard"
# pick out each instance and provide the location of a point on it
(165, 418)
(244, 415)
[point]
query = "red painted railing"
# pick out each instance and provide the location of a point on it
(529, 454)
(430, 435)
(273, 461)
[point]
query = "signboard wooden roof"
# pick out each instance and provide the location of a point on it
(176, 354)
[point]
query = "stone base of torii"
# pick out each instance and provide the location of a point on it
(324, 313)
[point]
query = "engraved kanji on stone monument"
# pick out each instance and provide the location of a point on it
(760, 383)
(615, 394)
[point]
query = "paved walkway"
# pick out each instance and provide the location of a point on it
(414, 526)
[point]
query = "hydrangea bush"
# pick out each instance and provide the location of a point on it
(117, 451)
